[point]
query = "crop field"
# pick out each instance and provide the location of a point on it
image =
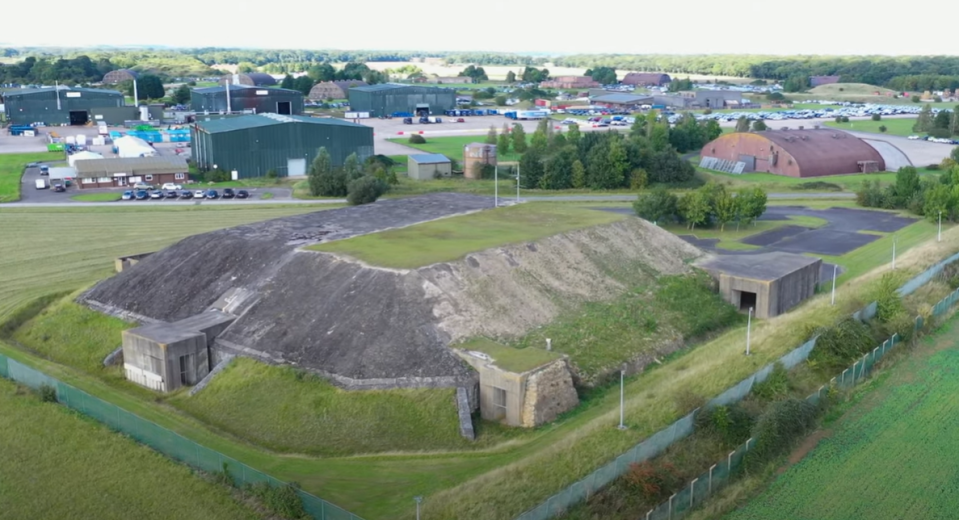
(892, 456)
(897, 126)
(59, 464)
(11, 168)
(492, 483)
(451, 238)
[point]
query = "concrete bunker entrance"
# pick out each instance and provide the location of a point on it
(747, 300)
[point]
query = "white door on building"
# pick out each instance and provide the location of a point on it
(295, 167)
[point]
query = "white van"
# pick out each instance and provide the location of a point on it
(41, 184)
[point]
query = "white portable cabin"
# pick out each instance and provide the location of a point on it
(129, 146)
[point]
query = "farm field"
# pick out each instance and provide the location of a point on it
(59, 464)
(455, 483)
(11, 168)
(895, 126)
(451, 238)
(890, 457)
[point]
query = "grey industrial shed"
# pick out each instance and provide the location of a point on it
(57, 106)
(253, 145)
(251, 99)
(390, 98)
(423, 166)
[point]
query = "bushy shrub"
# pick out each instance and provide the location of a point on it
(779, 427)
(281, 500)
(653, 480)
(876, 117)
(679, 293)
(48, 394)
(731, 423)
(271, 174)
(417, 139)
(774, 387)
(840, 345)
(934, 167)
(365, 190)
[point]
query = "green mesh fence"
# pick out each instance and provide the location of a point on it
(161, 439)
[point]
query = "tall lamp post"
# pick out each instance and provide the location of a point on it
(835, 269)
(939, 233)
(749, 326)
(622, 377)
(418, 500)
(496, 186)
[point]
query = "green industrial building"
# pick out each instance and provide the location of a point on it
(390, 98)
(252, 145)
(57, 106)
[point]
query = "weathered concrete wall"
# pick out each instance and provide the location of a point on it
(549, 392)
(731, 287)
(796, 287)
(465, 414)
(125, 262)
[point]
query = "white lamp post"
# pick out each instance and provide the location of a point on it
(835, 269)
(939, 233)
(418, 500)
(622, 376)
(496, 186)
(749, 326)
(893, 252)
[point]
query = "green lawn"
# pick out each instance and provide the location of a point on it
(452, 147)
(11, 169)
(59, 464)
(780, 183)
(451, 238)
(890, 457)
(508, 358)
(897, 126)
(879, 252)
(97, 197)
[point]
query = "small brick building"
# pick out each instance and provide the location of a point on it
(125, 172)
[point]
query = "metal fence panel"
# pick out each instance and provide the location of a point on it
(3, 366)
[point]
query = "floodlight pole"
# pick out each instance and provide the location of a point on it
(749, 325)
(496, 186)
(517, 183)
(939, 233)
(418, 500)
(622, 377)
(835, 269)
(893, 252)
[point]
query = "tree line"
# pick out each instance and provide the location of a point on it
(709, 205)
(79, 70)
(923, 196)
(943, 124)
(360, 182)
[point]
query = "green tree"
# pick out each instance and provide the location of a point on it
(573, 135)
(181, 96)
(907, 184)
(558, 170)
(658, 206)
(752, 204)
(942, 120)
(726, 207)
(511, 77)
(320, 170)
(694, 207)
(531, 168)
(759, 125)
(519, 138)
(287, 82)
(742, 124)
(352, 169)
(638, 129)
(503, 141)
(322, 72)
(883, 129)
(925, 121)
(579, 174)
(500, 100)
(602, 75)
(303, 84)
(365, 190)
(954, 154)
(491, 135)
(608, 166)
(539, 140)
(150, 87)
(713, 130)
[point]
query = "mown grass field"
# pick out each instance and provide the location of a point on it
(11, 169)
(879, 252)
(897, 126)
(891, 456)
(448, 239)
(59, 464)
(779, 183)
(97, 197)
(452, 146)
(489, 484)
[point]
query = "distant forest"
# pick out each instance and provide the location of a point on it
(89, 65)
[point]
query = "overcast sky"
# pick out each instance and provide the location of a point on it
(608, 26)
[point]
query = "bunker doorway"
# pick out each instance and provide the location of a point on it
(747, 300)
(284, 108)
(79, 117)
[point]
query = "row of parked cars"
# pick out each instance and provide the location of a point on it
(144, 194)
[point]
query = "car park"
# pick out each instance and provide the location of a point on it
(171, 194)
(212, 194)
(171, 186)
(142, 195)
(142, 186)
(242, 194)
(228, 193)
(156, 194)
(127, 195)
(199, 194)
(407, 120)
(186, 194)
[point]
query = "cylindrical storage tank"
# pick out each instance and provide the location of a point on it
(474, 156)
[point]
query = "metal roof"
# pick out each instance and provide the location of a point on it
(229, 124)
(386, 86)
(824, 151)
(429, 158)
(621, 98)
(61, 88)
(131, 165)
(234, 88)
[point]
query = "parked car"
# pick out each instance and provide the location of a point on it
(156, 194)
(212, 194)
(142, 186)
(199, 194)
(228, 193)
(44, 169)
(171, 186)
(127, 195)
(59, 187)
(186, 194)
(172, 194)
(41, 184)
(407, 120)
(242, 194)
(142, 195)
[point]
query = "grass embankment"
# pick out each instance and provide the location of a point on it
(507, 358)
(894, 126)
(489, 484)
(779, 183)
(879, 252)
(892, 443)
(452, 147)
(449, 239)
(97, 197)
(730, 237)
(11, 170)
(59, 464)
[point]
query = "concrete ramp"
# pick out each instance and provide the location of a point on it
(891, 154)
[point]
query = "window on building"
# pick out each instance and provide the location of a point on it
(104, 179)
(88, 180)
(179, 176)
(149, 177)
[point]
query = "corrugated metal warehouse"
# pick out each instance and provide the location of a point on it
(242, 98)
(255, 144)
(797, 153)
(116, 116)
(389, 98)
(57, 106)
(250, 79)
